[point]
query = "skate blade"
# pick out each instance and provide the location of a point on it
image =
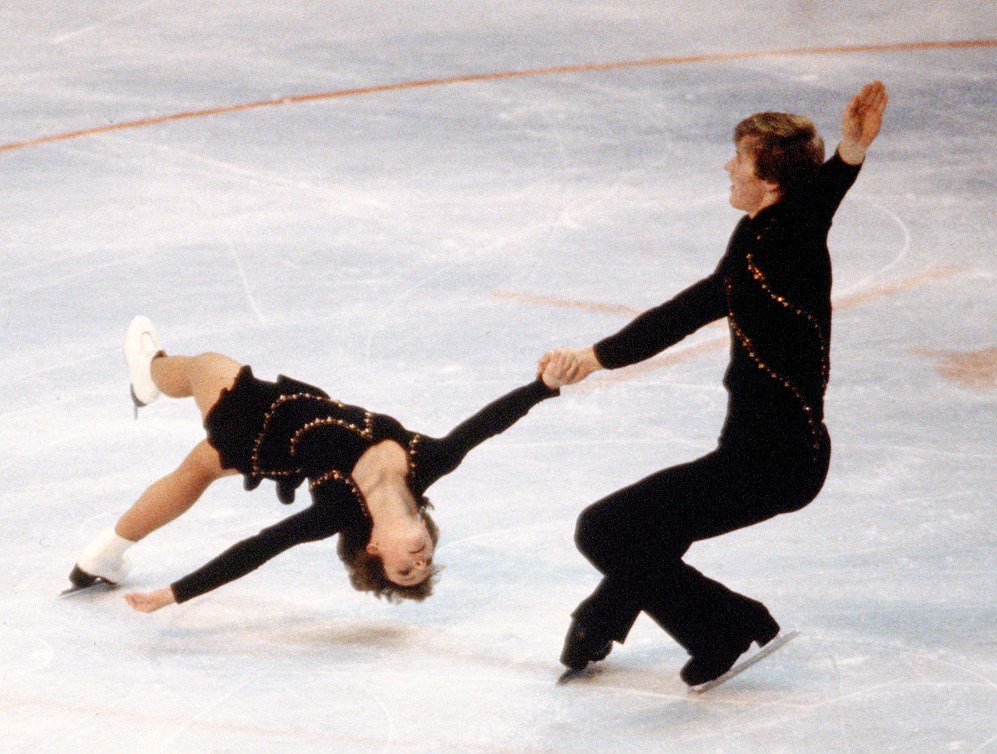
(777, 643)
(570, 674)
(100, 585)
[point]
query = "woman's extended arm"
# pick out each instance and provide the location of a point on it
(314, 523)
(437, 457)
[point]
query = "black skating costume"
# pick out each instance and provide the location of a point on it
(288, 431)
(773, 286)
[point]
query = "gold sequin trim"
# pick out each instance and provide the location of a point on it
(337, 475)
(413, 449)
(258, 470)
(759, 276)
(749, 348)
(366, 431)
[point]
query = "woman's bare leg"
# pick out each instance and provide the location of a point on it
(203, 378)
(173, 495)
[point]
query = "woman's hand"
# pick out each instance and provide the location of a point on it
(149, 602)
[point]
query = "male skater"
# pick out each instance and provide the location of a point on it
(773, 285)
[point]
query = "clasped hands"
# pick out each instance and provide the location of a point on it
(567, 366)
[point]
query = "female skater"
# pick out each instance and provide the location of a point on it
(367, 474)
(773, 286)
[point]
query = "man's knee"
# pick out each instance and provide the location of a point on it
(589, 529)
(605, 539)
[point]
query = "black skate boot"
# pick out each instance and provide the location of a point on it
(583, 645)
(80, 579)
(710, 662)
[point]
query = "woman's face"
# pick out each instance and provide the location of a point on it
(405, 550)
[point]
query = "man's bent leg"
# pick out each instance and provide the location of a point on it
(607, 615)
(605, 534)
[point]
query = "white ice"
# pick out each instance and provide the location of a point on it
(414, 250)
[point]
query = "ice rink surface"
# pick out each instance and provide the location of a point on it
(412, 238)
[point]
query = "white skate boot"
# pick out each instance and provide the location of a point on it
(103, 560)
(141, 347)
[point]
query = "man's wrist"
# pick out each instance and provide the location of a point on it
(590, 360)
(851, 153)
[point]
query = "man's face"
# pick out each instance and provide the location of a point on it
(748, 192)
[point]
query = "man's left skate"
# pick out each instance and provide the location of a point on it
(583, 647)
(778, 643)
(573, 674)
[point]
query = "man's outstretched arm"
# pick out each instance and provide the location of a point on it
(861, 121)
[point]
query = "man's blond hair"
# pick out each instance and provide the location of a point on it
(787, 148)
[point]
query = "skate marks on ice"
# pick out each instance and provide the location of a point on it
(101, 24)
(22, 652)
(778, 643)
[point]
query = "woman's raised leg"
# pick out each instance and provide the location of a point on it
(202, 377)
